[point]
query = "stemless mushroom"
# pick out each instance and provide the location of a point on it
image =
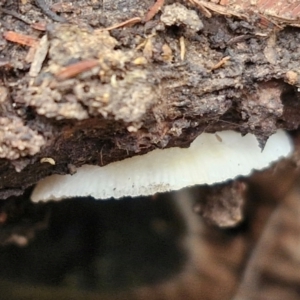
(210, 159)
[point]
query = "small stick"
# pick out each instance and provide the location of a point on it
(39, 26)
(39, 56)
(154, 10)
(48, 12)
(21, 39)
(16, 15)
(220, 63)
(76, 68)
(125, 23)
(182, 48)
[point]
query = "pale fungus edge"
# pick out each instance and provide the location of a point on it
(210, 159)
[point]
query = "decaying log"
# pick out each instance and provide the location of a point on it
(93, 82)
(77, 93)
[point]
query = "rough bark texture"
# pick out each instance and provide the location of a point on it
(84, 95)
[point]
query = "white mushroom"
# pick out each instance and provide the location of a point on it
(210, 159)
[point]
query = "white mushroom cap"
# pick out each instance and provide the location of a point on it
(210, 159)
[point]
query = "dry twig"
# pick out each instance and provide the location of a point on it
(154, 10)
(182, 48)
(76, 68)
(21, 39)
(220, 63)
(126, 23)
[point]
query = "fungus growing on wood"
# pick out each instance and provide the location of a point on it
(211, 158)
